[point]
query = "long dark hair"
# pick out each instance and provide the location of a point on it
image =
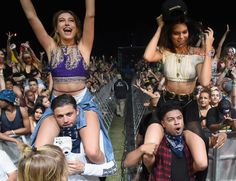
(39, 106)
(194, 29)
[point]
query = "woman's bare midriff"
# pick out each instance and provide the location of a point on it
(180, 87)
(68, 88)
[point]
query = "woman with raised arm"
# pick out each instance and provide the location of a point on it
(217, 55)
(68, 52)
(184, 64)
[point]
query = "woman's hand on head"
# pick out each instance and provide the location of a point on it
(160, 21)
(209, 38)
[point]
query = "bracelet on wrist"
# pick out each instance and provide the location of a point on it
(210, 53)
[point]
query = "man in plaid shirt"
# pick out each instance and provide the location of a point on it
(173, 160)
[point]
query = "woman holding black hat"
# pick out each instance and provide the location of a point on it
(184, 64)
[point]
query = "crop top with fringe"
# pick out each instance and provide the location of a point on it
(181, 68)
(67, 64)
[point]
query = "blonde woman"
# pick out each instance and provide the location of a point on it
(47, 163)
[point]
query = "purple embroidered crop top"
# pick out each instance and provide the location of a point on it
(68, 62)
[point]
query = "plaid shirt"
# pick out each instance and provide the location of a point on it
(162, 166)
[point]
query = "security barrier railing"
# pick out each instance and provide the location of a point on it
(105, 102)
(222, 162)
(135, 111)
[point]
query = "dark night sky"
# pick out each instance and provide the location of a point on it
(118, 22)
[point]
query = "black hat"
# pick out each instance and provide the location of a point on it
(171, 8)
(224, 106)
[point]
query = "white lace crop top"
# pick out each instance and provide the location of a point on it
(181, 68)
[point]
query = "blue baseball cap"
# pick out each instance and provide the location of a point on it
(8, 95)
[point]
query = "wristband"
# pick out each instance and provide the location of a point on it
(210, 53)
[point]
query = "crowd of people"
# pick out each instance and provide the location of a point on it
(190, 84)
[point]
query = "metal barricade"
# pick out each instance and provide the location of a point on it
(105, 103)
(222, 162)
(136, 110)
(138, 99)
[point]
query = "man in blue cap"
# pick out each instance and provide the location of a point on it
(14, 123)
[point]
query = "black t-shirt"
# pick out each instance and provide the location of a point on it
(214, 116)
(120, 89)
(179, 169)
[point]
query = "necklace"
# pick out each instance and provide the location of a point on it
(179, 57)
